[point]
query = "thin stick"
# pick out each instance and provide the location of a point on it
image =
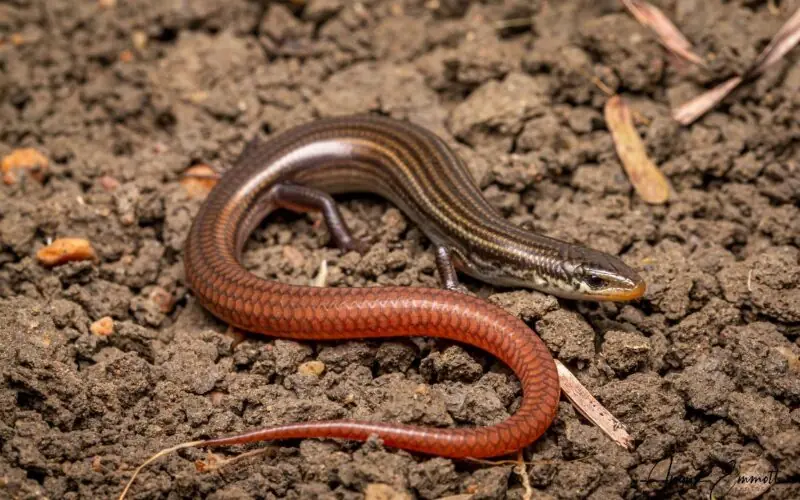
(156, 457)
(589, 407)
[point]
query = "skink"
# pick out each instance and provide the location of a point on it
(299, 169)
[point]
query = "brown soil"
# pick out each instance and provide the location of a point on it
(123, 96)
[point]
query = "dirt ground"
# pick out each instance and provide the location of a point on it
(123, 96)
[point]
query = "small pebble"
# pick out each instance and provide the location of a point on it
(379, 491)
(127, 219)
(199, 180)
(139, 39)
(198, 96)
(216, 397)
(65, 250)
(24, 161)
(162, 298)
(126, 56)
(293, 257)
(103, 326)
(314, 368)
(109, 183)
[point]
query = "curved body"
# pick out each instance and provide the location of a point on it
(415, 170)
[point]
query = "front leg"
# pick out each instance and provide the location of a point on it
(447, 271)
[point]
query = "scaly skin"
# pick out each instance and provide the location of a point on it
(415, 170)
(307, 313)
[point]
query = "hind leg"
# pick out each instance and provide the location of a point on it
(305, 199)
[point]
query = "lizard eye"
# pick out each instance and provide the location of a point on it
(594, 281)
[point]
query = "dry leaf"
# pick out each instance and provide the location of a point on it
(648, 181)
(783, 41)
(691, 110)
(667, 33)
(65, 250)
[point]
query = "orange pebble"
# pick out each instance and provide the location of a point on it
(313, 368)
(103, 326)
(109, 183)
(216, 397)
(162, 298)
(65, 250)
(199, 180)
(24, 160)
(139, 39)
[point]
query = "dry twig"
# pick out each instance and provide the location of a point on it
(590, 408)
(783, 41)
(669, 36)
